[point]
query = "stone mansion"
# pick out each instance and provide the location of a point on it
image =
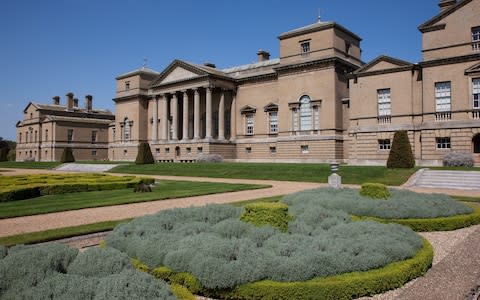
(317, 102)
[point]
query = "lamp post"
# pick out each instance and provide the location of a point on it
(334, 180)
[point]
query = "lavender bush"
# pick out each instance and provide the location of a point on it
(458, 159)
(209, 158)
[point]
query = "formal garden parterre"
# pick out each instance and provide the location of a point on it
(322, 243)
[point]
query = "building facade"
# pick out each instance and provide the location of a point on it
(46, 129)
(317, 102)
(435, 100)
(285, 109)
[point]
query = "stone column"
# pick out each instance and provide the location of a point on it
(196, 117)
(208, 114)
(185, 116)
(175, 117)
(233, 117)
(155, 120)
(221, 116)
(165, 134)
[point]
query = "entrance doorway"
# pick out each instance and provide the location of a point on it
(476, 143)
(177, 151)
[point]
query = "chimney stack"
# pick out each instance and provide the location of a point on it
(263, 55)
(446, 4)
(56, 100)
(69, 101)
(210, 65)
(75, 102)
(88, 103)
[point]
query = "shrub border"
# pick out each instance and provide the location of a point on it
(435, 224)
(345, 286)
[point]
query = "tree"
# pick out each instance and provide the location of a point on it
(67, 155)
(4, 148)
(144, 155)
(401, 155)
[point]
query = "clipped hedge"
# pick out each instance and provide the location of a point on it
(436, 224)
(375, 191)
(22, 187)
(144, 154)
(267, 213)
(345, 286)
(400, 155)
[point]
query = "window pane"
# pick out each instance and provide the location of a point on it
(443, 96)
(384, 102)
(476, 92)
(273, 122)
(305, 113)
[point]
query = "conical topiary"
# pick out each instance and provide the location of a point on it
(67, 155)
(144, 155)
(401, 155)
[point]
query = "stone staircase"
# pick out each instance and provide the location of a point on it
(466, 180)
(92, 168)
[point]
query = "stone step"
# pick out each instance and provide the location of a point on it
(73, 167)
(449, 179)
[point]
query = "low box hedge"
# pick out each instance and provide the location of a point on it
(375, 191)
(41, 185)
(267, 213)
(435, 224)
(345, 286)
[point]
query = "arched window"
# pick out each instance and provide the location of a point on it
(126, 130)
(305, 113)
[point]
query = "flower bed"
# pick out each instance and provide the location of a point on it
(30, 186)
(222, 252)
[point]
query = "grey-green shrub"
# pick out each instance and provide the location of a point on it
(27, 266)
(458, 159)
(402, 204)
(54, 271)
(96, 262)
(58, 286)
(209, 158)
(131, 284)
(224, 252)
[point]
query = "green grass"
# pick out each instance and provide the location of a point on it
(456, 168)
(273, 171)
(163, 190)
(29, 164)
(467, 199)
(59, 233)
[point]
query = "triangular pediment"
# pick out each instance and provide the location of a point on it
(179, 74)
(437, 21)
(473, 69)
(271, 107)
(383, 62)
(248, 109)
(28, 106)
(178, 71)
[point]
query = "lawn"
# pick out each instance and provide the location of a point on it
(273, 171)
(163, 190)
(29, 164)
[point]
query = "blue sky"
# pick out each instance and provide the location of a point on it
(53, 47)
